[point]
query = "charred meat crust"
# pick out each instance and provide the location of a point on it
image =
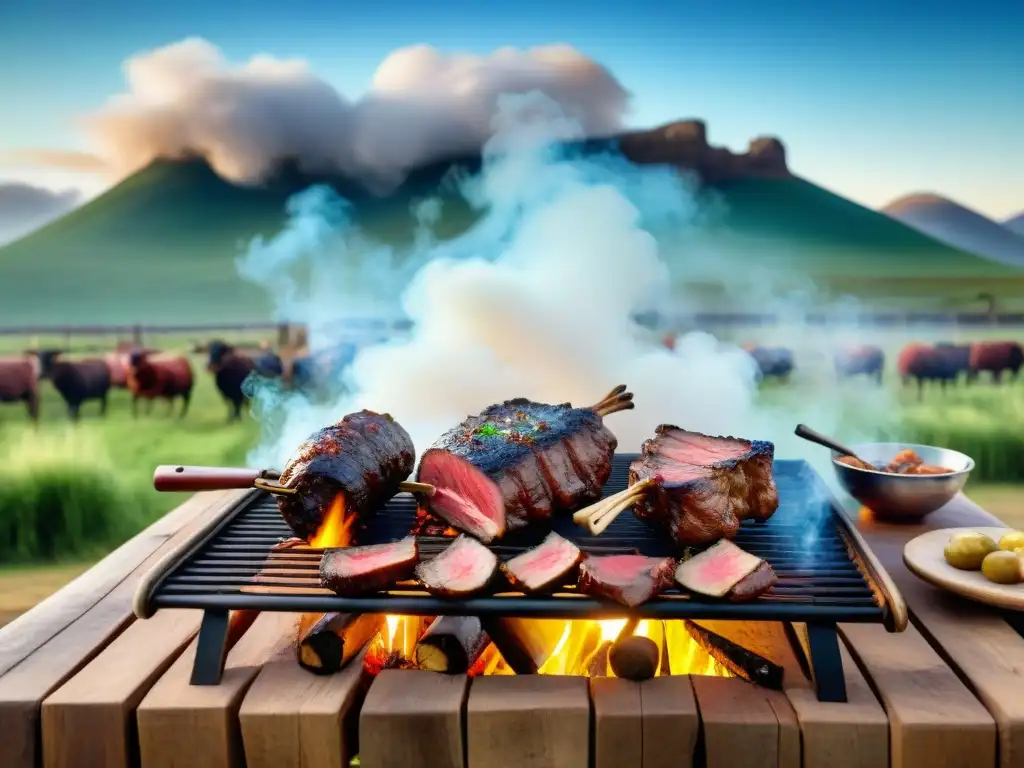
(541, 458)
(753, 585)
(714, 497)
(358, 571)
(566, 554)
(364, 457)
(465, 567)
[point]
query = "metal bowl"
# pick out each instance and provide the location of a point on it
(903, 496)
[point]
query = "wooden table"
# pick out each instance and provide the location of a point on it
(83, 684)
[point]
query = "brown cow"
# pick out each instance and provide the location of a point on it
(996, 357)
(118, 361)
(19, 382)
(924, 362)
(150, 377)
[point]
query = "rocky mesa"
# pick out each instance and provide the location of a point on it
(684, 143)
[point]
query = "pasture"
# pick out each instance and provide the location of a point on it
(74, 491)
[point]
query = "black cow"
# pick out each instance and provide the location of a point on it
(956, 360)
(861, 359)
(77, 381)
(232, 368)
(772, 362)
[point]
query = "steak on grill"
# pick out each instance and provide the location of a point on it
(364, 457)
(627, 579)
(753, 585)
(717, 570)
(356, 571)
(703, 485)
(519, 462)
(465, 567)
(545, 566)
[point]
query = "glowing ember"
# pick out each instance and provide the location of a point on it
(336, 530)
(427, 524)
(395, 648)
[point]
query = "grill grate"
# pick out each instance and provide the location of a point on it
(806, 542)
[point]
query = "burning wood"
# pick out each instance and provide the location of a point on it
(737, 659)
(635, 658)
(395, 646)
(526, 644)
(328, 642)
(452, 644)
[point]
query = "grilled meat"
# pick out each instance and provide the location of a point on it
(627, 579)
(704, 486)
(465, 567)
(356, 571)
(753, 585)
(717, 570)
(363, 457)
(545, 566)
(515, 463)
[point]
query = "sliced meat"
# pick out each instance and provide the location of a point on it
(517, 462)
(716, 570)
(356, 571)
(465, 567)
(756, 583)
(364, 457)
(547, 565)
(704, 485)
(627, 579)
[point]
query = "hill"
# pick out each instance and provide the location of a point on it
(958, 226)
(160, 247)
(1015, 224)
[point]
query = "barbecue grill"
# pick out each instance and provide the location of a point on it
(826, 573)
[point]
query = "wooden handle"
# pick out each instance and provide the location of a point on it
(802, 430)
(195, 479)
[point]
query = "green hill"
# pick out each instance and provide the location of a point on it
(160, 246)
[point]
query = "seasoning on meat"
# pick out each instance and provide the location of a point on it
(364, 457)
(627, 579)
(520, 461)
(357, 571)
(464, 568)
(545, 566)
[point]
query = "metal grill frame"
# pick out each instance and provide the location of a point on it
(209, 571)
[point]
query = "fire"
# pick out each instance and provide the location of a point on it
(395, 647)
(336, 530)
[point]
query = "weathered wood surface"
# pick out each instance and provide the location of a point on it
(82, 684)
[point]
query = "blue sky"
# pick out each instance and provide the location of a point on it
(873, 99)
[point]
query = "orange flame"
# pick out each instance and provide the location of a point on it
(395, 646)
(336, 529)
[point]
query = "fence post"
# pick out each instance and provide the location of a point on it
(137, 336)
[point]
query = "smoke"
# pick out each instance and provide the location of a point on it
(536, 301)
(186, 99)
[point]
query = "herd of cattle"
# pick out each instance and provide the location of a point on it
(151, 375)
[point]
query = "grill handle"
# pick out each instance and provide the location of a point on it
(195, 479)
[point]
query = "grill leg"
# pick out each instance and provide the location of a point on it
(826, 662)
(211, 648)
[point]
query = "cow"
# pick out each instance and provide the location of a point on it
(774, 362)
(321, 371)
(860, 359)
(923, 362)
(76, 380)
(151, 377)
(231, 369)
(957, 358)
(117, 362)
(996, 357)
(19, 383)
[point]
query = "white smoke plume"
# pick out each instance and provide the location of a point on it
(536, 301)
(186, 99)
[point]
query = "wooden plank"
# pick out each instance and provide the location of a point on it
(934, 719)
(90, 719)
(618, 723)
(972, 638)
(24, 687)
(413, 718)
(196, 726)
(851, 734)
(47, 619)
(739, 725)
(671, 724)
(536, 720)
(291, 718)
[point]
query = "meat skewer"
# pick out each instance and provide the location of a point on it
(362, 460)
(695, 487)
(520, 461)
